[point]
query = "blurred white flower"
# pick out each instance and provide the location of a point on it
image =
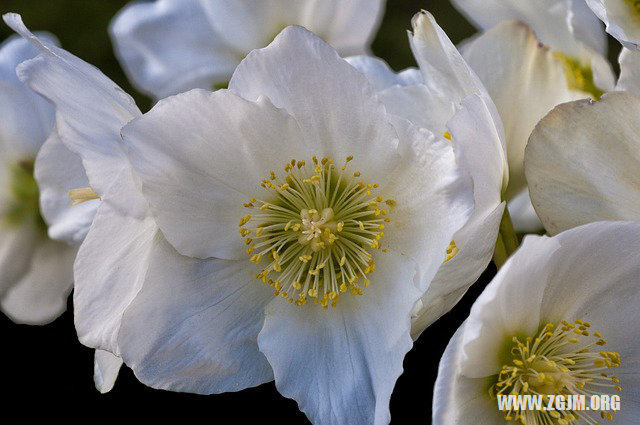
(582, 161)
(170, 46)
(35, 271)
(559, 318)
(622, 19)
(445, 96)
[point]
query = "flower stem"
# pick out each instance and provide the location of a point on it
(507, 241)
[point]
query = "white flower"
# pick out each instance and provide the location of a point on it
(87, 154)
(561, 317)
(209, 326)
(526, 80)
(622, 18)
(581, 162)
(444, 95)
(170, 46)
(629, 79)
(35, 271)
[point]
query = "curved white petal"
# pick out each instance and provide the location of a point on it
(202, 155)
(341, 364)
(27, 119)
(476, 139)
(40, 295)
(58, 170)
(167, 47)
(524, 80)
(433, 196)
(380, 75)
(579, 162)
(17, 245)
(109, 272)
(106, 367)
(622, 20)
(334, 104)
(348, 26)
(562, 24)
(629, 71)
(459, 400)
(523, 215)
(194, 325)
(90, 112)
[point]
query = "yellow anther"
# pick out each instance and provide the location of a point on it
(447, 135)
(244, 220)
(356, 174)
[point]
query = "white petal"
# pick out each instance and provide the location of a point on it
(167, 47)
(629, 71)
(26, 117)
(621, 20)
(58, 170)
(109, 272)
(477, 142)
(476, 242)
(17, 245)
(194, 325)
(202, 155)
(507, 307)
(524, 80)
(434, 198)
(40, 295)
(564, 25)
(348, 26)
(334, 104)
(105, 370)
(578, 162)
(459, 400)
(380, 75)
(523, 215)
(341, 364)
(90, 111)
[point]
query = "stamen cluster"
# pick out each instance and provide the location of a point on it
(560, 361)
(315, 230)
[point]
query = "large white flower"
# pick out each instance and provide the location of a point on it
(445, 95)
(209, 326)
(35, 271)
(170, 46)
(561, 317)
(581, 162)
(622, 19)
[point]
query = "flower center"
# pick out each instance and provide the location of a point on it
(634, 5)
(579, 77)
(24, 201)
(559, 361)
(316, 228)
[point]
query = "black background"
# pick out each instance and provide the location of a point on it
(47, 375)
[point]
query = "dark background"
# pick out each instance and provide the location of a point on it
(46, 375)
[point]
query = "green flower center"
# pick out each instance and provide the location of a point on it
(316, 229)
(24, 203)
(559, 361)
(579, 77)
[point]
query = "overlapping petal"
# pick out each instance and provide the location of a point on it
(580, 162)
(194, 325)
(629, 71)
(622, 20)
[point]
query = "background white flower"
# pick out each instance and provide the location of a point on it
(622, 19)
(584, 281)
(445, 96)
(35, 271)
(170, 46)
